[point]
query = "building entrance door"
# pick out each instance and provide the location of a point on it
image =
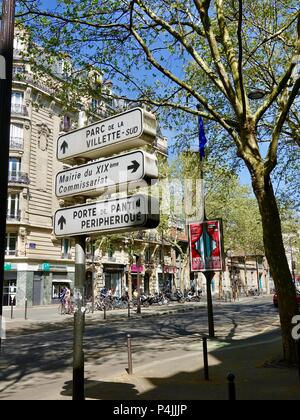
(37, 298)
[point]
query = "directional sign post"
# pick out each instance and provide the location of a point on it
(111, 216)
(107, 174)
(124, 131)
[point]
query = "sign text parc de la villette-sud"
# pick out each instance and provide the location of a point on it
(124, 131)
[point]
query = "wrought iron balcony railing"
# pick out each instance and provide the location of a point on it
(18, 178)
(16, 143)
(13, 216)
(18, 109)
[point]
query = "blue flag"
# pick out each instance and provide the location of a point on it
(202, 138)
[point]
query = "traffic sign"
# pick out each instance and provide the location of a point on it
(124, 131)
(106, 174)
(110, 216)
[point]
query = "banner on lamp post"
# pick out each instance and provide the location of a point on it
(206, 246)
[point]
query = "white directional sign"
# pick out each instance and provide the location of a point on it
(125, 131)
(106, 174)
(110, 216)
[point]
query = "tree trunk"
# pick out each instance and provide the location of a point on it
(275, 254)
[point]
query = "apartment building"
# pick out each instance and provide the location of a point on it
(37, 264)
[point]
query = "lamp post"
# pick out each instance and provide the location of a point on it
(208, 274)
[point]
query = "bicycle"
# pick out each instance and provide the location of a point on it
(66, 308)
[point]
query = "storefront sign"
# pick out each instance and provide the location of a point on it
(137, 268)
(205, 241)
(46, 266)
(7, 266)
(170, 269)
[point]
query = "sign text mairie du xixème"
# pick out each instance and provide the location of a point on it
(106, 174)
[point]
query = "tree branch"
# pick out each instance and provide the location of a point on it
(216, 116)
(202, 8)
(271, 159)
(277, 90)
(189, 48)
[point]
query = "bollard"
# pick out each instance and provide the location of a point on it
(231, 387)
(205, 359)
(128, 308)
(26, 303)
(11, 308)
(129, 370)
(104, 312)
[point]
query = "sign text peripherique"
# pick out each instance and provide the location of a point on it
(109, 216)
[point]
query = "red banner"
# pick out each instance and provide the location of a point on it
(205, 240)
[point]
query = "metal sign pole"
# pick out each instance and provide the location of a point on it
(79, 318)
(6, 54)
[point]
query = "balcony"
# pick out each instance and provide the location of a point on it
(13, 217)
(18, 109)
(20, 178)
(16, 143)
(11, 253)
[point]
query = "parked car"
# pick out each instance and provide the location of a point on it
(275, 299)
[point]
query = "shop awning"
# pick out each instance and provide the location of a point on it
(61, 281)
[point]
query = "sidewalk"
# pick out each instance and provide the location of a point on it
(182, 377)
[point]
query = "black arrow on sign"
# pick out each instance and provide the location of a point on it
(62, 221)
(64, 146)
(135, 166)
(138, 203)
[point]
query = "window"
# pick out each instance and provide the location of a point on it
(13, 206)
(10, 244)
(96, 104)
(17, 103)
(18, 70)
(17, 98)
(14, 166)
(110, 253)
(65, 123)
(16, 136)
(148, 255)
(18, 44)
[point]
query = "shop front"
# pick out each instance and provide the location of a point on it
(10, 288)
(169, 277)
(59, 281)
(135, 270)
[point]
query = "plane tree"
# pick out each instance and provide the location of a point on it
(234, 62)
